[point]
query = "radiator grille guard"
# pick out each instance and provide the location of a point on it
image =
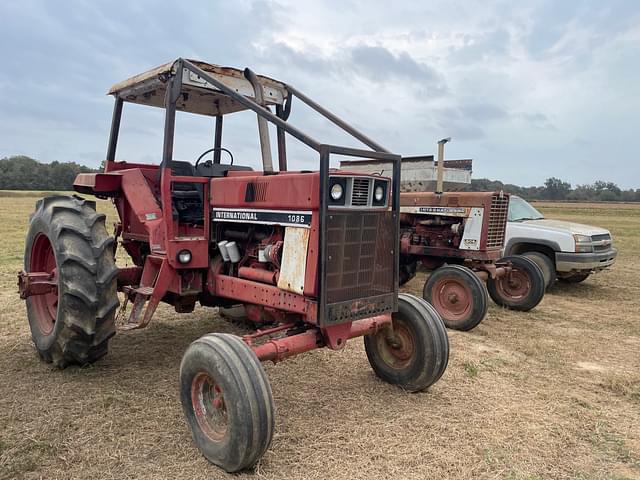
(497, 221)
(359, 265)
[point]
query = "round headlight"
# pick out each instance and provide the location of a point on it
(378, 194)
(184, 256)
(336, 191)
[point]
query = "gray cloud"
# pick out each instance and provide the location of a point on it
(378, 63)
(506, 80)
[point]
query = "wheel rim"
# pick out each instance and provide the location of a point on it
(452, 299)
(397, 345)
(46, 305)
(209, 406)
(516, 285)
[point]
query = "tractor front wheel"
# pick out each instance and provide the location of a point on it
(67, 240)
(458, 295)
(227, 401)
(413, 352)
(522, 288)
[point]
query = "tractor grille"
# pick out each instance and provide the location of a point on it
(497, 221)
(360, 194)
(360, 264)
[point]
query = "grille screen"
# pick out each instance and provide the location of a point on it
(497, 221)
(359, 255)
(360, 194)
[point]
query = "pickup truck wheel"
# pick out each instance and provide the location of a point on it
(522, 289)
(575, 278)
(415, 352)
(546, 265)
(458, 295)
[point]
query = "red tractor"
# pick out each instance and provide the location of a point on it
(459, 236)
(315, 254)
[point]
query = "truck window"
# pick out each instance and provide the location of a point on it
(520, 210)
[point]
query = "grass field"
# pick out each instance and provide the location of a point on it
(553, 393)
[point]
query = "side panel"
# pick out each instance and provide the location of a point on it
(473, 230)
(294, 260)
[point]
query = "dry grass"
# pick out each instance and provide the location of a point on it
(554, 393)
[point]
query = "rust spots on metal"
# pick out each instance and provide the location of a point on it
(294, 260)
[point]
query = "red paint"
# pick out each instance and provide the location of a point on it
(279, 349)
(258, 274)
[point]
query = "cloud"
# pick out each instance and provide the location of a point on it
(506, 80)
(380, 64)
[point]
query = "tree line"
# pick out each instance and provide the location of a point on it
(556, 189)
(24, 173)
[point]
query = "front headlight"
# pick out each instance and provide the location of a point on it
(336, 192)
(584, 244)
(380, 192)
(184, 256)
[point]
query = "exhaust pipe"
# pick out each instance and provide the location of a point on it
(263, 126)
(440, 180)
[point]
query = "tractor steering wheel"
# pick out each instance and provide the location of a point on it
(222, 149)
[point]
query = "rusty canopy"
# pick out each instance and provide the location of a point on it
(198, 95)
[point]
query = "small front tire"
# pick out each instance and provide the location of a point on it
(227, 401)
(414, 353)
(458, 295)
(521, 289)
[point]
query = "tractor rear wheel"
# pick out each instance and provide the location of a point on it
(414, 353)
(458, 295)
(68, 240)
(227, 401)
(521, 289)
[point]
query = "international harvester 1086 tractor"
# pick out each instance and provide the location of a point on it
(313, 253)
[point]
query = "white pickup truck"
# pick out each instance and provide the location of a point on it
(563, 250)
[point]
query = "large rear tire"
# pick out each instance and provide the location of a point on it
(415, 353)
(72, 324)
(522, 289)
(458, 295)
(227, 401)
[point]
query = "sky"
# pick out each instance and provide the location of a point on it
(529, 90)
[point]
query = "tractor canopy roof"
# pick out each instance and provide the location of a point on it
(198, 96)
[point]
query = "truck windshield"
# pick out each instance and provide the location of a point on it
(520, 210)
